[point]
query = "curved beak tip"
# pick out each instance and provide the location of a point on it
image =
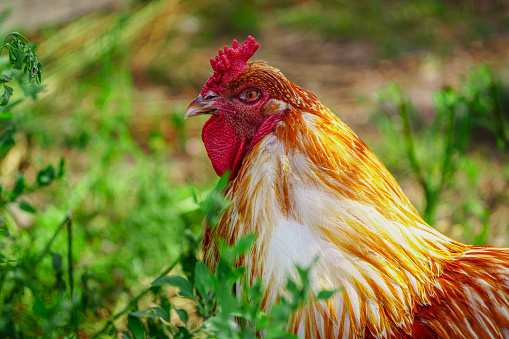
(197, 107)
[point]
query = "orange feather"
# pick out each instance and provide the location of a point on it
(311, 187)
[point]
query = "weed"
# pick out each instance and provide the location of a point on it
(437, 152)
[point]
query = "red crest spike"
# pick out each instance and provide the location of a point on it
(228, 64)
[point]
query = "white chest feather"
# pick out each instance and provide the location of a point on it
(302, 213)
(291, 244)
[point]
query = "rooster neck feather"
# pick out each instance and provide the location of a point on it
(313, 188)
(309, 187)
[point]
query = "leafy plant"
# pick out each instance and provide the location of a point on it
(436, 152)
(18, 264)
(213, 300)
(23, 62)
(216, 305)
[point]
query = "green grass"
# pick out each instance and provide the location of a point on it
(444, 155)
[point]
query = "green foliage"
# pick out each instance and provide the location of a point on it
(206, 302)
(20, 285)
(128, 215)
(216, 304)
(20, 68)
(23, 67)
(437, 152)
(22, 56)
(403, 26)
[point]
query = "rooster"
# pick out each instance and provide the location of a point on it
(308, 187)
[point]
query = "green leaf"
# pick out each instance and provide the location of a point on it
(56, 261)
(244, 243)
(325, 294)
(16, 58)
(6, 115)
(40, 309)
(241, 246)
(203, 280)
(19, 186)
(279, 333)
(39, 72)
(138, 314)
(23, 205)
(185, 288)
(188, 262)
(281, 312)
(165, 303)
(46, 176)
(182, 314)
(31, 89)
(152, 312)
(183, 333)
(5, 78)
(161, 313)
(292, 287)
(136, 327)
(6, 141)
(256, 292)
(12, 56)
(224, 272)
(229, 303)
(7, 94)
(61, 168)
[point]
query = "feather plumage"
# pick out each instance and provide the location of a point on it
(310, 187)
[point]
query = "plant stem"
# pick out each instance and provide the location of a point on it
(414, 163)
(50, 242)
(501, 137)
(448, 166)
(69, 257)
(133, 301)
(407, 131)
(45, 251)
(16, 35)
(70, 268)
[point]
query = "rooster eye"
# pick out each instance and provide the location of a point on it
(250, 95)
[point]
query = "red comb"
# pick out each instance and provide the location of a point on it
(229, 64)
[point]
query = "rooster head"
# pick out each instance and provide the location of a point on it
(244, 102)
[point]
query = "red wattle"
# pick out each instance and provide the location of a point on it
(224, 146)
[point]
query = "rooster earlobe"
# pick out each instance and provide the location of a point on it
(267, 127)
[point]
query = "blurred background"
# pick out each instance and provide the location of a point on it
(118, 76)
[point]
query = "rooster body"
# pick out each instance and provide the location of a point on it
(309, 187)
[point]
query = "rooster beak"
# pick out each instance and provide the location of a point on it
(198, 107)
